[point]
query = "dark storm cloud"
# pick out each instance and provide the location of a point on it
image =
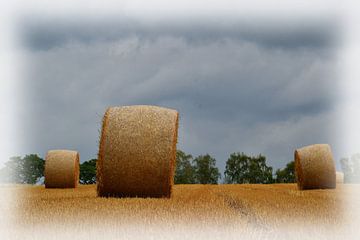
(238, 88)
(44, 35)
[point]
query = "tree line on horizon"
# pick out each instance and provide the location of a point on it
(351, 168)
(240, 168)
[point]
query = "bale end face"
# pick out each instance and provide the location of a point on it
(137, 152)
(62, 169)
(314, 167)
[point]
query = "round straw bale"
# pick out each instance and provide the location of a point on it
(339, 177)
(314, 167)
(62, 169)
(137, 152)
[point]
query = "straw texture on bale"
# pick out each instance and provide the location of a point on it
(62, 169)
(339, 177)
(314, 167)
(137, 152)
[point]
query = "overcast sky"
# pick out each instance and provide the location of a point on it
(255, 86)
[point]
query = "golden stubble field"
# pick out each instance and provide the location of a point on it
(277, 211)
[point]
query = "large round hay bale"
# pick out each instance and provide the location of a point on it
(314, 167)
(61, 169)
(339, 177)
(137, 152)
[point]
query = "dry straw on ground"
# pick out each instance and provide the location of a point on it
(339, 177)
(61, 169)
(314, 167)
(137, 152)
(194, 211)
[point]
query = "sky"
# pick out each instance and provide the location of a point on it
(255, 86)
(254, 76)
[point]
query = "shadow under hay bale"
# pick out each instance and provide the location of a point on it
(137, 152)
(314, 167)
(62, 169)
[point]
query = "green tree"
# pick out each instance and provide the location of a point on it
(286, 175)
(351, 168)
(206, 171)
(355, 158)
(88, 172)
(241, 168)
(26, 170)
(185, 172)
(347, 169)
(12, 172)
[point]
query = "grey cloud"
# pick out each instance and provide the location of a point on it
(233, 94)
(44, 34)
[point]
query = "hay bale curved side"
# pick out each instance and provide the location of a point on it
(137, 152)
(339, 177)
(314, 167)
(62, 169)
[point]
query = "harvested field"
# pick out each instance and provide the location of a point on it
(274, 211)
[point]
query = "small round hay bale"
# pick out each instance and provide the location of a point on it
(137, 152)
(314, 167)
(339, 177)
(62, 169)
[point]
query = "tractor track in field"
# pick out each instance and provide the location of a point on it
(241, 208)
